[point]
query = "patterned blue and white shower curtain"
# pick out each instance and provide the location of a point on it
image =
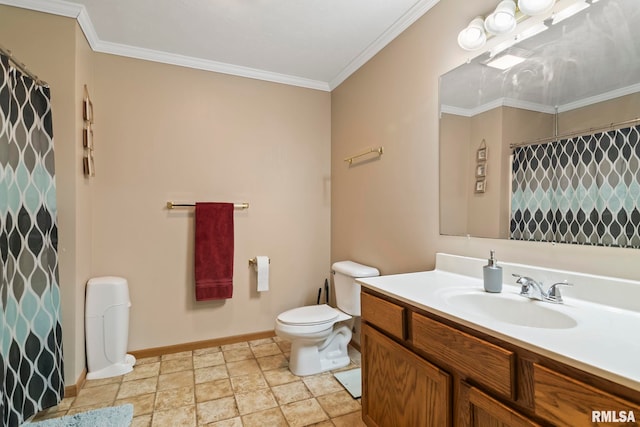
(31, 372)
(582, 190)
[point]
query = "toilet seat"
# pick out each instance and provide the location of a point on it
(309, 320)
(309, 315)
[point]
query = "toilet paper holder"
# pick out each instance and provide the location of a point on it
(254, 261)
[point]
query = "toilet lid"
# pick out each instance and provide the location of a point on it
(309, 315)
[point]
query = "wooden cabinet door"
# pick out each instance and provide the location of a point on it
(565, 401)
(399, 388)
(477, 409)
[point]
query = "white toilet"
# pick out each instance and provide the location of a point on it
(315, 345)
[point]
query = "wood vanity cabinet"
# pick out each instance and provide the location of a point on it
(420, 370)
(400, 388)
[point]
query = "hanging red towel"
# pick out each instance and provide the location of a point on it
(214, 251)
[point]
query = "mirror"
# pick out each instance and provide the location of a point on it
(579, 74)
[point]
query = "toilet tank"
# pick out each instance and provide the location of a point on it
(346, 289)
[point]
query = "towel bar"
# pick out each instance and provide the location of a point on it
(171, 205)
(379, 151)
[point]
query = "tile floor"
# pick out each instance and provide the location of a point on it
(239, 385)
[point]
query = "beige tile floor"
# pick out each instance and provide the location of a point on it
(245, 384)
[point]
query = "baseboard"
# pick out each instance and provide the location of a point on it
(158, 351)
(73, 390)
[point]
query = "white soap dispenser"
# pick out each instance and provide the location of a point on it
(492, 274)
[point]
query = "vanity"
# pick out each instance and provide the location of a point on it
(439, 351)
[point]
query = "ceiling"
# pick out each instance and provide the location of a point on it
(309, 43)
(591, 57)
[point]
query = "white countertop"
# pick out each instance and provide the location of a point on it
(605, 341)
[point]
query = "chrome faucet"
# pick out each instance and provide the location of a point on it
(534, 290)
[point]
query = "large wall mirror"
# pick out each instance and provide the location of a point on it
(543, 150)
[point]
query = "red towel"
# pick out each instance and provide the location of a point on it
(214, 251)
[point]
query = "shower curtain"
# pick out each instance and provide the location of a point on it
(583, 190)
(31, 341)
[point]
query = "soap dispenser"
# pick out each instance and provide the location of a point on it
(492, 274)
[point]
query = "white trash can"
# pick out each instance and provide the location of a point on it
(107, 327)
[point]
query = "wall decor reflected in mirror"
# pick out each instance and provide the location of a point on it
(481, 153)
(87, 135)
(561, 127)
(480, 185)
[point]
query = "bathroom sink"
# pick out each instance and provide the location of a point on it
(512, 309)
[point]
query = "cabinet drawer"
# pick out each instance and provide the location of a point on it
(474, 358)
(383, 314)
(565, 401)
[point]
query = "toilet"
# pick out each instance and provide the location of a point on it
(319, 337)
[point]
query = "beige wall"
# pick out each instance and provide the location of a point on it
(385, 213)
(484, 220)
(54, 48)
(456, 173)
(600, 114)
(165, 133)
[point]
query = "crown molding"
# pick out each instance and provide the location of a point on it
(87, 28)
(496, 103)
(541, 108)
(207, 65)
(55, 7)
(415, 13)
(616, 93)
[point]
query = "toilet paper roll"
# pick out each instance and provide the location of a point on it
(262, 267)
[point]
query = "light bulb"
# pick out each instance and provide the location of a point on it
(473, 36)
(535, 7)
(503, 19)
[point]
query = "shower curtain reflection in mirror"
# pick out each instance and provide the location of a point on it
(583, 190)
(31, 336)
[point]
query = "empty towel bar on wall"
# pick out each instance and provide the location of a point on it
(171, 205)
(379, 151)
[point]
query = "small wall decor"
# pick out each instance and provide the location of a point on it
(87, 111)
(481, 154)
(87, 165)
(87, 135)
(481, 168)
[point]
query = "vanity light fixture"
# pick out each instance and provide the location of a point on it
(503, 19)
(473, 36)
(535, 7)
(506, 17)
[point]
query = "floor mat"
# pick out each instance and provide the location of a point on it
(351, 380)
(114, 416)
